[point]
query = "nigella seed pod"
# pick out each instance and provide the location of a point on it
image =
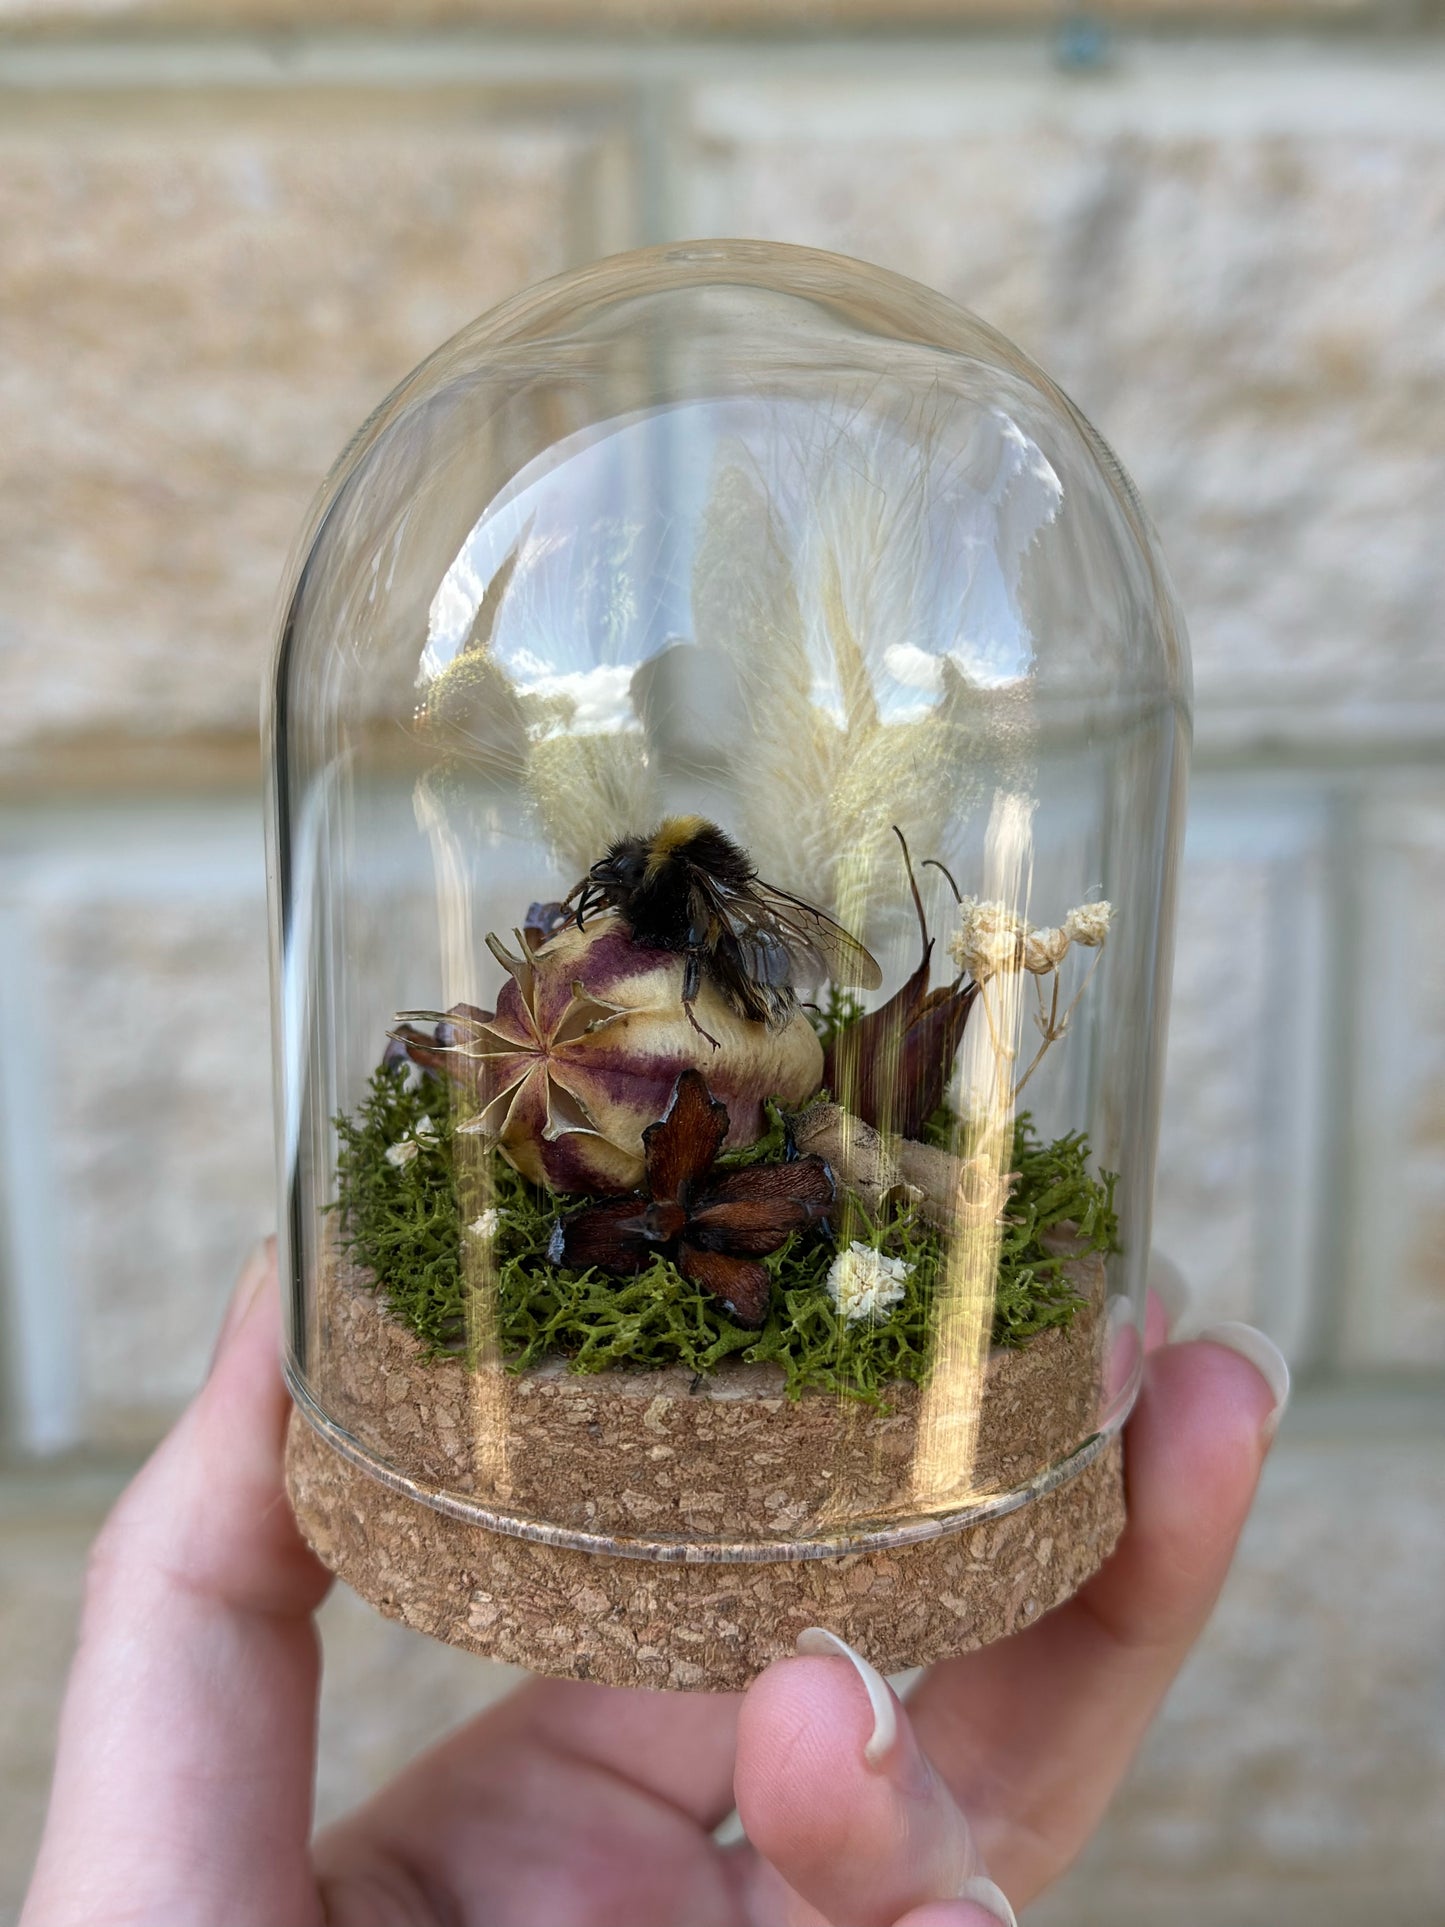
(584, 1050)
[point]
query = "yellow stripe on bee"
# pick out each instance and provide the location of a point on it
(670, 836)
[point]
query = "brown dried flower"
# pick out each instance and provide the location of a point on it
(890, 1067)
(713, 1225)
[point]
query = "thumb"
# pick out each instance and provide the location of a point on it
(838, 1797)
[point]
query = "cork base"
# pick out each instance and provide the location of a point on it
(706, 1627)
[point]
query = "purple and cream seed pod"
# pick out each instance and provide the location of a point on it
(585, 1048)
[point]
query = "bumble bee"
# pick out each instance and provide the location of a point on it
(689, 887)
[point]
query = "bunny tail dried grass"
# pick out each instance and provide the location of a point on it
(588, 789)
(586, 786)
(470, 707)
(823, 774)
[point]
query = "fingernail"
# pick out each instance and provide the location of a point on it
(1265, 1356)
(1171, 1288)
(983, 1893)
(818, 1642)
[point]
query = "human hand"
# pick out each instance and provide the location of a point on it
(183, 1780)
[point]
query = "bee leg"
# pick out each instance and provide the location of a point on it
(699, 1029)
(691, 984)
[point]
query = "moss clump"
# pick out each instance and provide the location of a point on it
(400, 1219)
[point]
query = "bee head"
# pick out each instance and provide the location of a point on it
(624, 866)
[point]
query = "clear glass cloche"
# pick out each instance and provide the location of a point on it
(728, 732)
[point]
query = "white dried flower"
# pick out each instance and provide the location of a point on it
(863, 1282)
(422, 1133)
(989, 938)
(1044, 950)
(1088, 923)
(487, 1225)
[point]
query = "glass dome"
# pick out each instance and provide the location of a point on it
(728, 732)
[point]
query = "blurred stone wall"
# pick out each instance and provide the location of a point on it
(227, 227)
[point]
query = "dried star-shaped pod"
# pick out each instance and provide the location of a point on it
(714, 1225)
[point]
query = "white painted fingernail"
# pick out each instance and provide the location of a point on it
(817, 1642)
(1171, 1288)
(983, 1893)
(1265, 1356)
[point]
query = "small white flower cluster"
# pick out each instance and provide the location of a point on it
(422, 1132)
(992, 938)
(989, 938)
(487, 1225)
(1044, 950)
(1088, 923)
(863, 1283)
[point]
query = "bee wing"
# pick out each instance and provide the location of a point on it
(770, 919)
(766, 953)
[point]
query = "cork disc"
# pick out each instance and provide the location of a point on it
(697, 1627)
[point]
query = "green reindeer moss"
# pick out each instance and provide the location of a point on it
(399, 1217)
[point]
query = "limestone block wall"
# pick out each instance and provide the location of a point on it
(228, 226)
